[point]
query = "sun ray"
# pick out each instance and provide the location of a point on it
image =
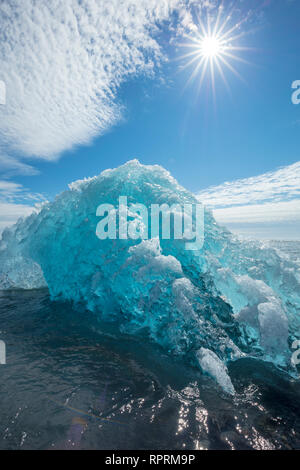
(195, 59)
(195, 72)
(202, 76)
(237, 58)
(212, 73)
(237, 36)
(232, 69)
(216, 27)
(222, 74)
(213, 46)
(225, 22)
(235, 27)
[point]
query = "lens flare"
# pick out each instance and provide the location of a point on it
(213, 46)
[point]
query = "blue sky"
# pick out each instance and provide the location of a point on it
(98, 102)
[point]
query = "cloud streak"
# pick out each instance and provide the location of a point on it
(15, 202)
(10, 166)
(270, 198)
(279, 212)
(10, 213)
(274, 186)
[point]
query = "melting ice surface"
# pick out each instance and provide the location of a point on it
(232, 299)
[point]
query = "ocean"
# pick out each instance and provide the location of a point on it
(72, 382)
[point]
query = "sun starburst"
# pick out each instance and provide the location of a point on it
(214, 46)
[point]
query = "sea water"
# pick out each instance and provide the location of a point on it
(142, 343)
(71, 382)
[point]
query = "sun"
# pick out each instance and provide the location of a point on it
(213, 47)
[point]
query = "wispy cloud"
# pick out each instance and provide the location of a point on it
(261, 213)
(15, 202)
(278, 185)
(10, 213)
(8, 189)
(62, 62)
(10, 166)
(272, 197)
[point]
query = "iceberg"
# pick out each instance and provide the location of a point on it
(228, 300)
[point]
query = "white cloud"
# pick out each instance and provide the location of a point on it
(273, 186)
(10, 166)
(9, 189)
(263, 205)
(15, 202)
(10, 213)
(260, 213)
(62, 62)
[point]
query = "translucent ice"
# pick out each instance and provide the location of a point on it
(229, 300)
(212, 365)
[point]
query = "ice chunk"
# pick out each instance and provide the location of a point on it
(213, 366)
(232, 298)
(273, 330)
